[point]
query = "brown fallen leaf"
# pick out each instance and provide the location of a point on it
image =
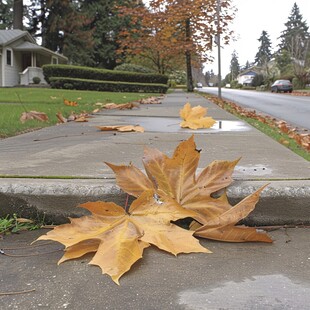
(81, 119)
(221, 227)
(40, 116)
(151, 100)
(176, 178)
(194, 118)
(70, 103)
(122, 128)
(124, 106)
(61, 118)
(118, 238)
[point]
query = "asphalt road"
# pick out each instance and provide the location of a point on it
(293, 109)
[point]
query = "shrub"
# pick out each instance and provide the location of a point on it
(101, 74)
(36, 80)
(298, 84)
(258, 80)
(82, 84)
(133, 68)
(235, 84)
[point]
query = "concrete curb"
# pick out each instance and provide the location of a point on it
(282, 202)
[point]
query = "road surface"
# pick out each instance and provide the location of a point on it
(293, 109)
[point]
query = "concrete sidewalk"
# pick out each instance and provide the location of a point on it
(51, 170)
(242, 276)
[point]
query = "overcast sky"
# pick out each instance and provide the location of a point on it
(252, 17)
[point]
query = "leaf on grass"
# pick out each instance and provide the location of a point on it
(194, 118)
(124, 106)
(122, 128)
(70, 103)
(40, 116)
(119, 238)
(176, 178)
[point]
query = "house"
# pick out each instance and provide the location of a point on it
(21, 58)
(246, 77)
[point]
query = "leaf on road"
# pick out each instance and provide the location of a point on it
(118, 238)
(122, 128)
(40, 116)
(176, 178)
(195, 118)
(221, 227)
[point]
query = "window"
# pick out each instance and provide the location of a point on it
(9, 57)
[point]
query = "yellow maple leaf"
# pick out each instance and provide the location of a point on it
(118, 237)
(195, 118)
(176, 178)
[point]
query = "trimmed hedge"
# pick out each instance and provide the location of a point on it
(82, 84)
(88, 73)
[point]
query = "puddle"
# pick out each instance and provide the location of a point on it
(274, 292)
(172, 125)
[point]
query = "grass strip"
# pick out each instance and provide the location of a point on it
(265, 128)
(14, 101)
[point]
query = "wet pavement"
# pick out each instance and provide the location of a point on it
(244, 276)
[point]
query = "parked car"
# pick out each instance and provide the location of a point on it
(199, 85)
(282, 85)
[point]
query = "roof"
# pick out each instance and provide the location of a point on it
(251, 72)
(7, 37)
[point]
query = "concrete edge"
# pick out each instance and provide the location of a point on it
(281, 202)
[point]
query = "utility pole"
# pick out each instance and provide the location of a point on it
(218, 9)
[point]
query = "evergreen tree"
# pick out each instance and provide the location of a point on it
(62, 28)
(6, 14)
(295, 28)
(295, 47)
(234, 66)
(264, 53)
(106, 24)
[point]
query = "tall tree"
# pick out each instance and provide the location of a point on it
(6, 14)
(295, 43)
(18, 6)
(295, 27)
(264, 51)
(178, 27)
(234, 65)
(62, 28)
(106, 24)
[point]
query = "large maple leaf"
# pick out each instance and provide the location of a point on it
(176, 177)
(119, 237)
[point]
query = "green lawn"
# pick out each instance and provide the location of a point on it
(15, 101)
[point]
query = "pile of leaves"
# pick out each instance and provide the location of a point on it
(168, 192)
(301, 137)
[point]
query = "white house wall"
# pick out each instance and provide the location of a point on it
(11, 73)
